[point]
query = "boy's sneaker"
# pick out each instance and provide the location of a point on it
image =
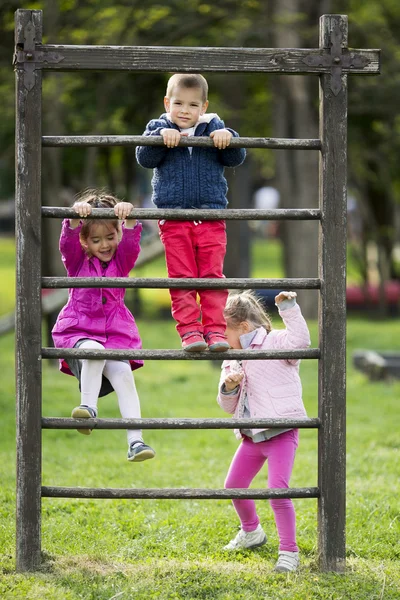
(84, 412)
(193, 342)
(138, 451)
(287, 561)
(247, 539)
(217, 342)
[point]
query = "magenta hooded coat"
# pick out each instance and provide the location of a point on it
(96, 313)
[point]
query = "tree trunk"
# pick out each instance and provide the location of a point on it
(237, 260)
(296, 101)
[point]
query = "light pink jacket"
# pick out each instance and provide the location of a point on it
(273, 386)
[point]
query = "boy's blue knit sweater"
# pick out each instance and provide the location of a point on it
(189, 180)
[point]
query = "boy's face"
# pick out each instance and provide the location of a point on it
(185, 106)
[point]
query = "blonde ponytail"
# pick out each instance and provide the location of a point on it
(246, 306)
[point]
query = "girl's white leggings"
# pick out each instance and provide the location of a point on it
(121, 378)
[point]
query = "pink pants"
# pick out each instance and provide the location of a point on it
(196, 249)
(247, 462)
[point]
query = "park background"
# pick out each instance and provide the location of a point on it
(172, 549)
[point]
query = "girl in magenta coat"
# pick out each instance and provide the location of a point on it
(264, 389)
(96, 318)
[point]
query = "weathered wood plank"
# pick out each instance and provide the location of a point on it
(179, 354)
(186, 142)
(176, 214)
(180, 59)
(28, 29)
(332, 322)
(175, 494)
(181, 284)
(171, 423)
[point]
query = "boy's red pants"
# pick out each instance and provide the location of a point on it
(196, 249)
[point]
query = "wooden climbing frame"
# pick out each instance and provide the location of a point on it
(332, 62)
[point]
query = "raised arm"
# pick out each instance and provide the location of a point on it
(129, 247)
(72, 253)
(296, 335)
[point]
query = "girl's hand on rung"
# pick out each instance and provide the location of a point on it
(285, 296)
(82, 208)
(232, 381)
(123, 210)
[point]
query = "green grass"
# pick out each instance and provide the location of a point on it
(100, 549)
(7, 271)
(139, 549)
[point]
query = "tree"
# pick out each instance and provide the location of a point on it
(296, 101)
(374, 136)
(257, 104)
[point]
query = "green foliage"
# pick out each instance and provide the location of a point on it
(374, 126)
(122, 103)
(7, 272)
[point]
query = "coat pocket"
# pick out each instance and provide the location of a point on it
(286, 399)
(65, 323)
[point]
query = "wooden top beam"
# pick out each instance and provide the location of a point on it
(180, 59)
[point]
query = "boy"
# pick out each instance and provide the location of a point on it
(192, 178)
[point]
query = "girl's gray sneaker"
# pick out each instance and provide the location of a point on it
(138, 451)
(84, 412)
(247, 539)
(287, 561)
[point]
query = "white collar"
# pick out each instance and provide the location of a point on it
(206, 118)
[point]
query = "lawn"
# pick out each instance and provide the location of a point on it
(7, 271)
(159, 549)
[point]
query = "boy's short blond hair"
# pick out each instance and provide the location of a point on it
(188, 80)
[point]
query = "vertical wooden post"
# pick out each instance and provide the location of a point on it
(332, 269)
(28, 32)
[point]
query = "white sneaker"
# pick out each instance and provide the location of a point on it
(287, 561)
(247, 539)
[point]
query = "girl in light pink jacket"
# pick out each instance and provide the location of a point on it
(97, 318)
(264, 389)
